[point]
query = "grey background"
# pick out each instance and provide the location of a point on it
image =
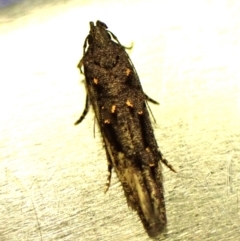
(52, 173)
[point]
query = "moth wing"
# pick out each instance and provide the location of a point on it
(141, 190)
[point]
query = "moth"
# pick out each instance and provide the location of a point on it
(120, 105)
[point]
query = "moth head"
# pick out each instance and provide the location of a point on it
(98, 34)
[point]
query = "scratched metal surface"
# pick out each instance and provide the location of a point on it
(52, 174)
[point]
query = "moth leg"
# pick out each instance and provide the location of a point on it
(151, 112)
(165, 162)
(130, 47)
(86, 109)
(94, 126)
(115, 38)
(154, 102)
(85, 45)
(80, 64)
(151, 100)
(109, 162)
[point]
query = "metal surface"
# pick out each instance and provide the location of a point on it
(53, 174)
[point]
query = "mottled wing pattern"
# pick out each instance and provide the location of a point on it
(119, 103)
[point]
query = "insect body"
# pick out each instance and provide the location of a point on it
(119, 103)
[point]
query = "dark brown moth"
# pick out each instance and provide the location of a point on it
(115, 92)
